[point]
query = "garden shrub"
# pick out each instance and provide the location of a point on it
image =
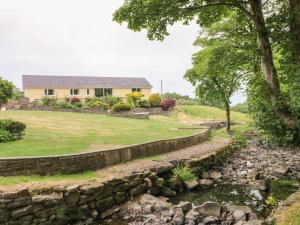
(111, 100)
(143, 103)
(133, 98)
(63, 105)
(96, 103)
(46, 101)
(11, 130)
(168, 104)
(77, 105)
(75, 100)
(154, 100)
(37, 103)
(121, 107)
(185, 173)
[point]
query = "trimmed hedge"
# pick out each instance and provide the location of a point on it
(121, 107)
(154, 100)
(11, 130)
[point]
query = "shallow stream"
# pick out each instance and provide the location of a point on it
(228, 194)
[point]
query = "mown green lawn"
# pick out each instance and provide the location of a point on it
(58, 133)
(212, 113)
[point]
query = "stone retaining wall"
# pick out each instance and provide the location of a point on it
(84, 205)
(95, 160)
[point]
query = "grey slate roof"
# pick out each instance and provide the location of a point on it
(41, 81)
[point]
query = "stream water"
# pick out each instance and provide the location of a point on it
(228, 194)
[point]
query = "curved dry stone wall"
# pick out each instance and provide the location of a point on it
(84, 205)
(94, 160)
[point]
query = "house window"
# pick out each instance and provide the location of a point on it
(74, 92)
(102, 92)
(87, 91)
(136, 90)
(107, 91)
(49, 92)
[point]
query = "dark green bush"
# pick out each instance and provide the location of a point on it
(63, 105)
(111, 100)
(77, 105)
(154, 100)
(11, 130)
(143, 103)
(96, 103)
(121, 107)
(46, 101)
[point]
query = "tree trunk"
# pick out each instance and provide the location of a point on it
(294, 73)
(228, 119)
(294, 6)
(266, 50)
(270, 72)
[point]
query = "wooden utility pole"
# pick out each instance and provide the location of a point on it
(161, 87)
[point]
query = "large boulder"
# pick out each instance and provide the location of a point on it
(206, 182)
(210, 209)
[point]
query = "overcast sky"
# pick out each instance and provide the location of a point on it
(76, 37)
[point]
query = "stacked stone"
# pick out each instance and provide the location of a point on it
(85, 205)
(150, 210)
(78, 204)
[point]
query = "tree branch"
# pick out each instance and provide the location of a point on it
(235, 4)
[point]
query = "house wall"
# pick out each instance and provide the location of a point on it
(37, 94)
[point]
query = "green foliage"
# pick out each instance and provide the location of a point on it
(143, 103)
(271, 201)
(182, 99)
(60, 212)
(240, 107)
(63, 105)
(262, 111)
(283, 188)
(121, 107)
(96, 103)
(240, 140)
(133, 98)
(175, 96)
(48, 101)
(185, 173)
(154, 100)
(77, 105)
(111, 100)
(18, 96)
(6, 91)
(218, 71)
(11, 130)
(236, 25)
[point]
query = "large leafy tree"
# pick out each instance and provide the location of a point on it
(217, 73)
(282, 17)
(6, 91)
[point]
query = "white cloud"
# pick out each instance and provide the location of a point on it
(76, 37)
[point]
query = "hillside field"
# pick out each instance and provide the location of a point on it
(59, 133)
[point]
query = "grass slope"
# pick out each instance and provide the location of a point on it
(61, 133)
(290, 215)
(57, 133)
(211, 113)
